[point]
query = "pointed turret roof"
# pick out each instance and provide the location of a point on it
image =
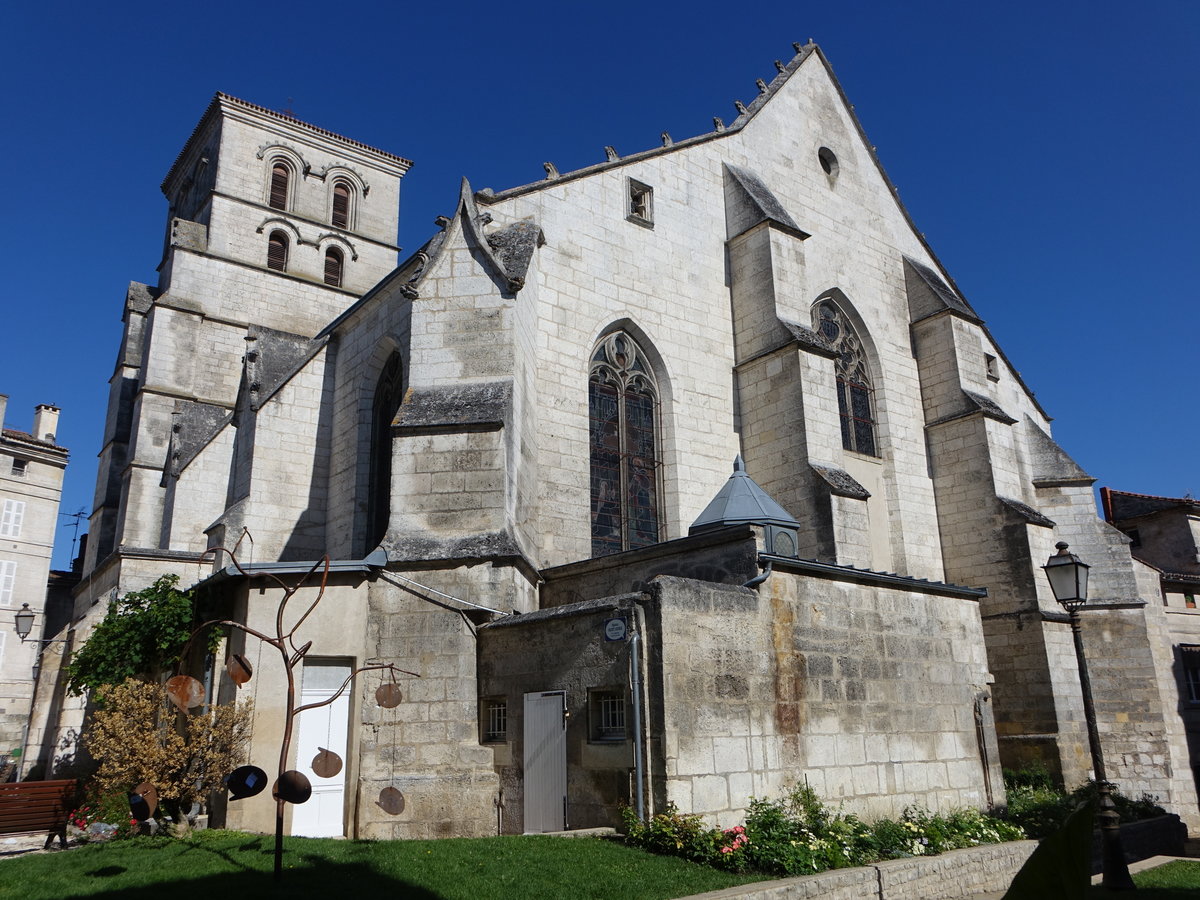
(742, 502)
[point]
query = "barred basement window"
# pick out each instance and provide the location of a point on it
(20, 467)
(495, 721)
(277, 251)
(333, 266)
(281, 175)
(853, 382)
(341, 205)
(606, 714)
(623, 435)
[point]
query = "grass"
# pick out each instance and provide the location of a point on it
(228, 864)
(1179, 880)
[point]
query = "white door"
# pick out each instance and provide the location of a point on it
(324, 813)
(545, 770)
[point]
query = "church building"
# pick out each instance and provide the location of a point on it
(679, 478)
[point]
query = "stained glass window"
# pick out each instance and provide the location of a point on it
(623, 413)
(853, 382)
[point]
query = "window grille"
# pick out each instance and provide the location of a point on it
(495, 727)
(333, 267)
(280, 176)
(277, 251)
(623, 433)
(854, 391)
(641, 203)
(11, 518)
(607, 712)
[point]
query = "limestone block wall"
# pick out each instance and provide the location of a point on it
(867, 692)
(429, 746)
(198, 496)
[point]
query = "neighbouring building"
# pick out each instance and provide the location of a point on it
(691, 472)
(32, 465)
(1164, 536)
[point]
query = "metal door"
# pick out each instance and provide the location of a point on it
(545, 771)
(323, 815)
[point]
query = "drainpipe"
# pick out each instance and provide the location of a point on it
(635, 665)
(761, 577)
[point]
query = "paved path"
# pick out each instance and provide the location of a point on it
(1134, 867)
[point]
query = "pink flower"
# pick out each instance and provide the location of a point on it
(726, 849)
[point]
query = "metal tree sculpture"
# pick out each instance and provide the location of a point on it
(291, 786)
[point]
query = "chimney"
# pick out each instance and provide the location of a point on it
(45, 422)
(3, 408)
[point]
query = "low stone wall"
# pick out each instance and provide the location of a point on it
(948, 876)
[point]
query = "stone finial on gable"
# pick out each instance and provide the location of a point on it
(610, 153)
(761, 85)
(551, 170)
(718, 123)
(779, 66)
(666, 139)
(740, 106)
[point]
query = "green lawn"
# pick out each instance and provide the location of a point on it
(1179, 880)
(225, 865)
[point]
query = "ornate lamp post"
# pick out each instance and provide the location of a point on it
(1068, 577)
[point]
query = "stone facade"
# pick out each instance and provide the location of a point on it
(32, 466)
(507, 438)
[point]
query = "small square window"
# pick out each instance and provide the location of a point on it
(1189, 601)
(606, 715)
(641, 204)
(20, 467)
(1135, 537)
(495, 720)
(993, 370)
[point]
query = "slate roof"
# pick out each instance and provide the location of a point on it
(742, 502)
(1124, 505)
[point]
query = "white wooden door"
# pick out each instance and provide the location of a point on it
(545, 770)
(324, 813)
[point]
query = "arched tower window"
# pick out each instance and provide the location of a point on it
(341, 205)
(281, 174)
(853, 381)
(623, 411)
(277, 251)
(333, 266)
(389, 391)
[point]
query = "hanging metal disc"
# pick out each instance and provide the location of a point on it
(239, 669)
(326, 763)
(292, 786)
(143, 801)
(388, 695)
(246, 781)
(185, 692)
(391, 801)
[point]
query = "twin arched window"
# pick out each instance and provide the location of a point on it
(623, 412)
(853, 379)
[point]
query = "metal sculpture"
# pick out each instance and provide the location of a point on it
(291, 786)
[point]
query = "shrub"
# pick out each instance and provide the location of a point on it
(800, 835)
(1041, 808)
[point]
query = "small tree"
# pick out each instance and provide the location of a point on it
(137, 736)
(141, 636)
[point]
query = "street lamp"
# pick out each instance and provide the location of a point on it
(1068, 577)
(24, 621)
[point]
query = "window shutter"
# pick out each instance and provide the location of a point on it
(333, 267)
(279, 186)
(277, 251)
(341, 205)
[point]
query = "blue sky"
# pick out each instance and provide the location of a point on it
(1047, 150)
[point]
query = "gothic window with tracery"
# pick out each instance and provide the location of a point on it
(623, 412)
(853, 380)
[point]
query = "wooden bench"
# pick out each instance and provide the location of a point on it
(37, 805)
